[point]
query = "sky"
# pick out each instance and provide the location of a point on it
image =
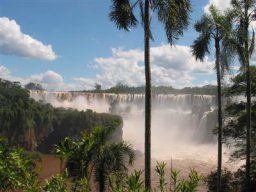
(72, 44)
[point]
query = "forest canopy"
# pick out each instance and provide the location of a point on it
(37, 125)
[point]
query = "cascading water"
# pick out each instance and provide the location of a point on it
(182, 125)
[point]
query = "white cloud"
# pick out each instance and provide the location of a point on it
(179, 58)
(253, 58)
(49, 80)
(14, 42)
(170, 66)
(4, 72)
(220, 4)
(174, 66)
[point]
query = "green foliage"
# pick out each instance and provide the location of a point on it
(227, 181)
(238, 84)
(56, 184)
(134, 183)
(112, 159)
(34, 86)
(119, 182)
(160, 170)
(36, 125)
(122, 14)
(93, 154)
(240, 178)
(235, 127)
(189, 185)
(17, 170)
(115, 182)
(81, 185)
(231, 181)
(97, 87)
(121, 88)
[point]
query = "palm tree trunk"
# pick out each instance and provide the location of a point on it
(217, 47)
(248, 98)
(147, 98)
(102, 182)
(248, 127)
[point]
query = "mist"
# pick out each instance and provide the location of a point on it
(182, 125)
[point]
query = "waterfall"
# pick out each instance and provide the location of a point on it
(182, 124)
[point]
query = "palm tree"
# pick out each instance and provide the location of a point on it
(111, 158)
(243, 13)
(63, 151)
(93, 153)
(217, 27)
(174, 16)
(85, 150)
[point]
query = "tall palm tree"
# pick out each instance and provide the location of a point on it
(216, 27)
(174, 16)
(243, 13)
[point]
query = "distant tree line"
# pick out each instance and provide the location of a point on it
(122, 88)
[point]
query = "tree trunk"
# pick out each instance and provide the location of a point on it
(61, 165)
(147, 99)
(248, 98)
(248, 127)
(102, 182)
(100, 172)
(217, 63)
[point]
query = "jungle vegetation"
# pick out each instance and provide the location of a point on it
(38, 126)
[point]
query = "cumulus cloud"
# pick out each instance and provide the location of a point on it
(14, 42)
(170, 66)
(220, 4)
(173, 66)
(48, 79)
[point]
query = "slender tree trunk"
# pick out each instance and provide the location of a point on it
(217, 47)
(248, 98)
(102, 182)
(248, 127)
(61, 165)
(147, 99)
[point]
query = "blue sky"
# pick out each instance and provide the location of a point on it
(71, 44)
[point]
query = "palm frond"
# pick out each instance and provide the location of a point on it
(201, 46)
(252, 43)
(228, 50)
(112, 159)
(122, 14)
(174, 14)
(237, 4)
(142, 14)
(238, 40)
(215, 14)
(226, 56)
(202, 25)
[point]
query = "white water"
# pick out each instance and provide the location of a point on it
(181, 124)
